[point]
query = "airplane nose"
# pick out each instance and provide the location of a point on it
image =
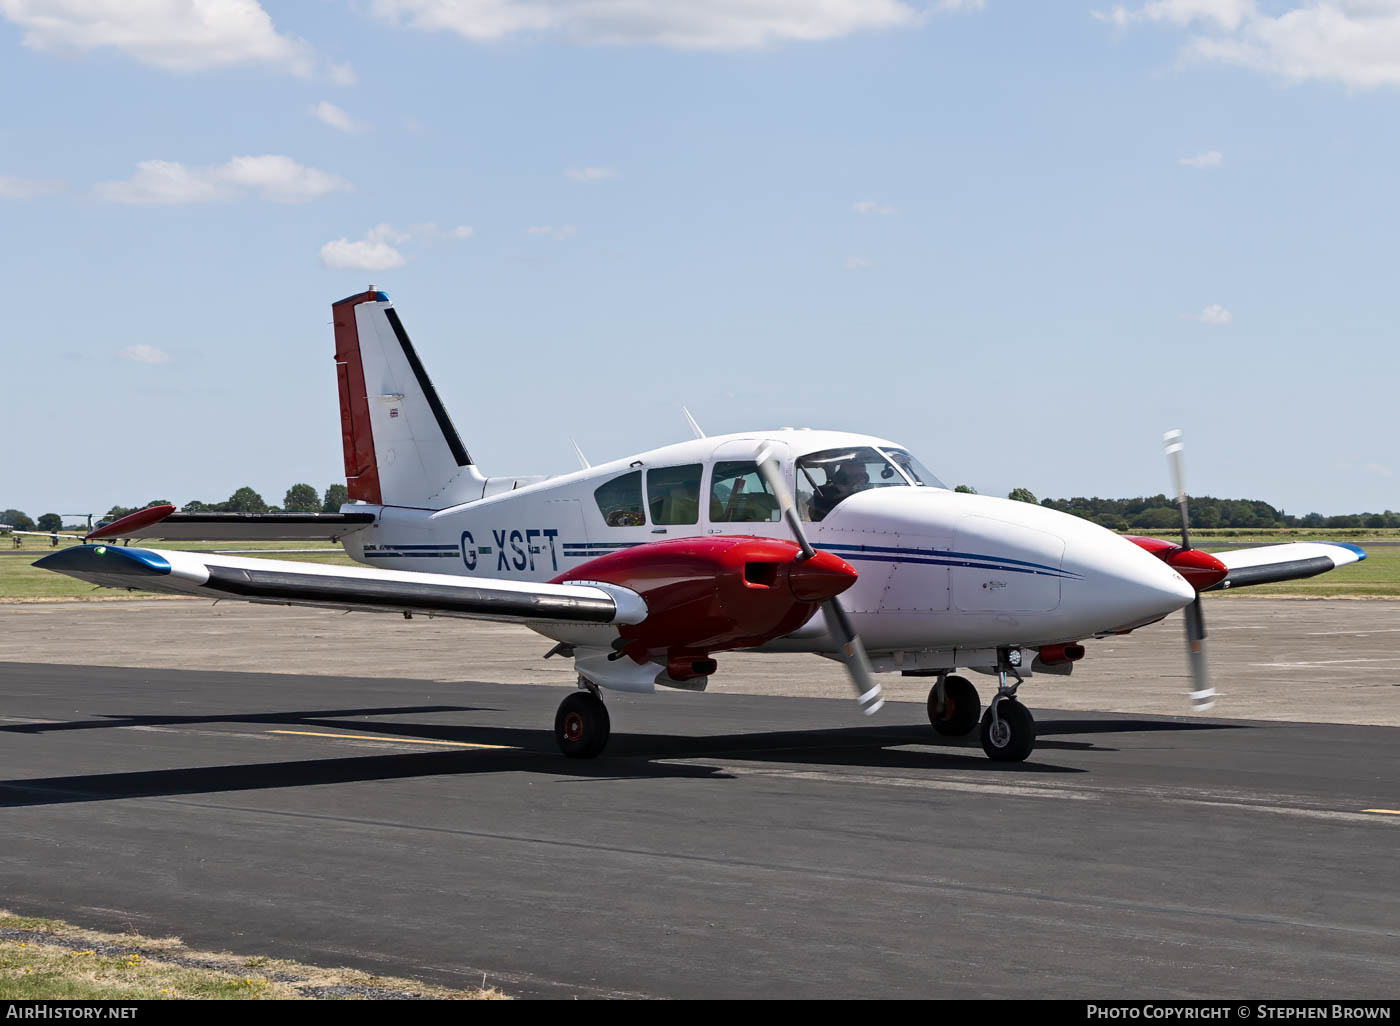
(1127, 585)
(821, 577)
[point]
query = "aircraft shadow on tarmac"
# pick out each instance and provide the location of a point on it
(629, 756)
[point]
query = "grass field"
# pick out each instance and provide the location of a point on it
(45, 959)
(1378, 576)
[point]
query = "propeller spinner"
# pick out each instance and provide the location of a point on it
(838, 622)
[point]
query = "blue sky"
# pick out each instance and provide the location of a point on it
(1023, 239)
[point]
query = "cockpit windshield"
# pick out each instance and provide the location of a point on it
(913, 469)
(825, 478)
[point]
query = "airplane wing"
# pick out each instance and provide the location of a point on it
(162, 522)
(1269, 564)
(45, 534)
(286, 582)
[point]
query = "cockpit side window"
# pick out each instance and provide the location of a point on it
(826, 478)
(620, 501)
(673, 493)
(738, 494)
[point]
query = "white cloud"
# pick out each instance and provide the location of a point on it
(271, 177)
(562, 231)
(377, 250)
(1213, 314)
(681, 24)
(176, 36)
(590, 174)
(145, 354)
(364, 255)
(1203, 160)
(1354, 42)
(1225, 13)
(1377, 469)
(858, 264)
(341, 74)
(871, 207)
(28, 188)
(329, 114)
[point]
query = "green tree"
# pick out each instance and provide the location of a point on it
(50, 522)
(1158, 519)
(1023, 495)
(301, 498)
(158, 502)
(245, 500)
(117, 512)
(337, 495)
(195, 506)
(966, 489)
(17, 519)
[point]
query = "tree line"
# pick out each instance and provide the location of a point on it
(300, 498)
(1143, 513)
(1159, 513)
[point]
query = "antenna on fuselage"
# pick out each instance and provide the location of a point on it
(582, 459)
(693, 425)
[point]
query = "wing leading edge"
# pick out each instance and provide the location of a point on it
(286, 582)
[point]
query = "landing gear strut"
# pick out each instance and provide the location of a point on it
(954, 712)
(582, 725)
(1008, 729)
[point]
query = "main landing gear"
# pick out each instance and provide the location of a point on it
(953, 713)
(582, 725)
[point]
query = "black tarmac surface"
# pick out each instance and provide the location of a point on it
(723, 846)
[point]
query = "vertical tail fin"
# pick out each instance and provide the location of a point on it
(400, 446)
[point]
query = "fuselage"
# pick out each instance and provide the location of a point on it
(941, 572)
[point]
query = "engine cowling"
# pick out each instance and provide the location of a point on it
(714, 594)
(1201, 569)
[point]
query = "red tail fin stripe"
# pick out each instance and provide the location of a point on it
(361, 469)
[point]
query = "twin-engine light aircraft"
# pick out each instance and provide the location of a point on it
(644, 569)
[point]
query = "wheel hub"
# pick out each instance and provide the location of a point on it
(573, 726)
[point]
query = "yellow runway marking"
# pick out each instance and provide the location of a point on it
(1388, 812)
(387, 740)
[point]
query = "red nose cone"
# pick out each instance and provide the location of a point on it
(1201, 569)
(822, 577)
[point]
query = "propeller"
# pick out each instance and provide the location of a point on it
(1202, 694)
(838, 622)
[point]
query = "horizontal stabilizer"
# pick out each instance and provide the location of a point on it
(237, 526)
(285, 582)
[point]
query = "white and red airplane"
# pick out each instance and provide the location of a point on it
(642, 570)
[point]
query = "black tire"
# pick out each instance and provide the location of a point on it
(1016, 736)
(961, 707)
(582, 725)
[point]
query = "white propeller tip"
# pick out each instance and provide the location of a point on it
(1203, 701)
(871, 701)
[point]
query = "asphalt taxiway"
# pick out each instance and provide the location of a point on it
(725, 845)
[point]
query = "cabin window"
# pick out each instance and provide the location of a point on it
(826, 478)
(739, 495)
(620, 501)
(673, 494)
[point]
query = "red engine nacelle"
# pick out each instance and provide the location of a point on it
(708, 595)
(1201, 569)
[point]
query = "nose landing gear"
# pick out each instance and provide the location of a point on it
(1008, 729)
(582, 724)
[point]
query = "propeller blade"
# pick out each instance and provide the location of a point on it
(1202, 695)
(851, 652)
(1174, 450)
(771, 471)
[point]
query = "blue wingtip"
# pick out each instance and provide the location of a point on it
(111, 559)
(1360, 552)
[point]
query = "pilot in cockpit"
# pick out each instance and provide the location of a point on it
(846, 480)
